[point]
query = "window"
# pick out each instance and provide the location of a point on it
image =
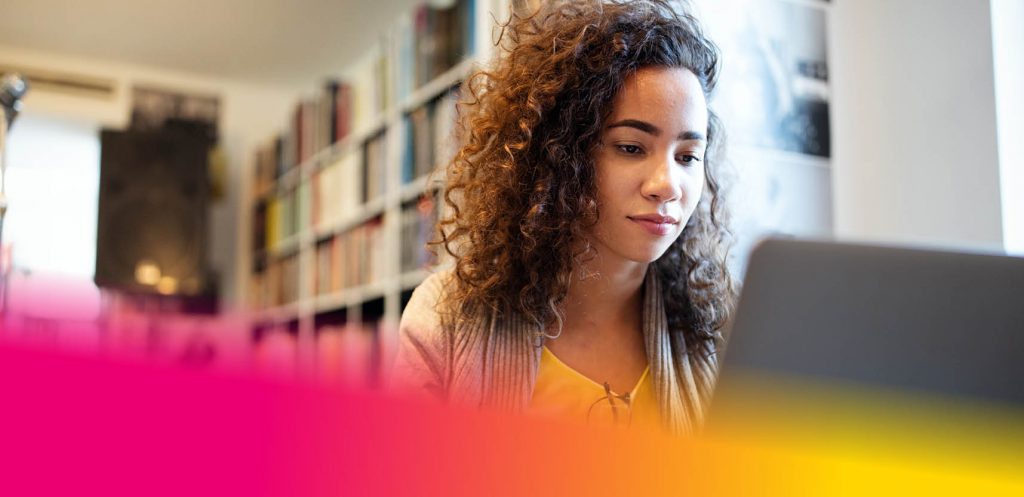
(50, 226)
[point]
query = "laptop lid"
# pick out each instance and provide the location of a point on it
(925, 320)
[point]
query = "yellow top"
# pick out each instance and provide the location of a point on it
(564, 392)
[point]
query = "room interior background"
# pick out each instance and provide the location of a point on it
(851, 120)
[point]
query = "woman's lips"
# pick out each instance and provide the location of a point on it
(655, 225)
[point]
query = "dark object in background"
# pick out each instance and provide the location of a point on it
(153, 205)
(12, 88)
(154, 109)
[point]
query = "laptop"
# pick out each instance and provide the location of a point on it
(899, 319)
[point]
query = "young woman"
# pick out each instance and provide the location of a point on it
(587, 230)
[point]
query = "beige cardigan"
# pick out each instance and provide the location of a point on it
(493, 363)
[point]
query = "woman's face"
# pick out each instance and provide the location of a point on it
(650, 164)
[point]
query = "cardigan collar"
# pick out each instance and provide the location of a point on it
(495, 361)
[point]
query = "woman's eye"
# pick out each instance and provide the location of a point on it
(687, 159)
(629, 149)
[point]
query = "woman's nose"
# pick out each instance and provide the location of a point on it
(661, 183)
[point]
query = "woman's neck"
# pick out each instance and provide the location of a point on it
(605, 296)
(602, 337)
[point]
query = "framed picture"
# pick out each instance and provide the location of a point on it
(774, 88)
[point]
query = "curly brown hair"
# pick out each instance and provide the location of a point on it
(521, 189)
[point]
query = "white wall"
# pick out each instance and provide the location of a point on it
(249, 114)
(1007, 45)
(914, 124)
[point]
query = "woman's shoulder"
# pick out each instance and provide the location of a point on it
(421, 319)
(420, 365)
(423, 306)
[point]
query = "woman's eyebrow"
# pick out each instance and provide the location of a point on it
(651, 129)
(644, 126)
(691, 135)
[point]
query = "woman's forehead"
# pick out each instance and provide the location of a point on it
(667, 96)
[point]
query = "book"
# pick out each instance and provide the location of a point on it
(322, 284)
(273, 222)
(342, 116)
(444, 36)
(374, 180)
(430, 142)
(418, 221)
(338, 266)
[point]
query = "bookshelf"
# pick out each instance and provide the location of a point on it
(340, 205)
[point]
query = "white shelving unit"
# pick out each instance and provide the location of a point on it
(301, 315)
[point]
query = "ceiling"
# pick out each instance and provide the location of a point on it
(272, 42)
